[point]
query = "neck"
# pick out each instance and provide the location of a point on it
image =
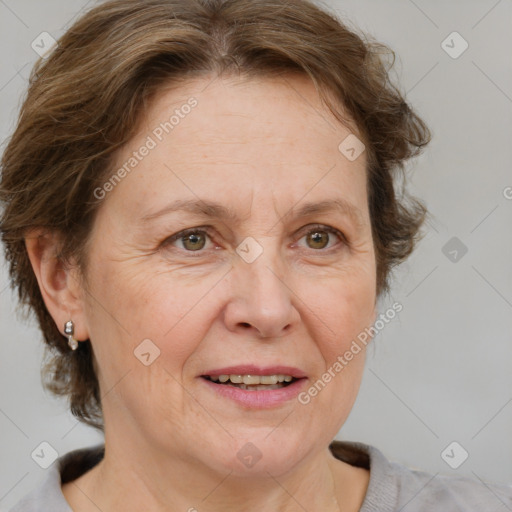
(171, 484)
(139, 478)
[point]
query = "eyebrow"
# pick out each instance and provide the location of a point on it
(215, 210)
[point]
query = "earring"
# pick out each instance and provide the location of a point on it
(69, 329)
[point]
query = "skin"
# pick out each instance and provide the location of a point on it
(261, 147)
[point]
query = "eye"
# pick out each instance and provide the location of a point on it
(317, 237)
(193, 239)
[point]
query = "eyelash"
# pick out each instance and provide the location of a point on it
(207, 230)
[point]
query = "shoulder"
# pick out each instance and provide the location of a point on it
(48, 494)
(421, 491)
(394, 487)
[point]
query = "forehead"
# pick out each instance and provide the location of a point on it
(274, 99)
(218, 138)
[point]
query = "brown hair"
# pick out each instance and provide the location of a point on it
(85, 100)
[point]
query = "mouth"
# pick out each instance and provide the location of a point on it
(256, 387)
(252, 382)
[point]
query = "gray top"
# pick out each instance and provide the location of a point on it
(392, 486)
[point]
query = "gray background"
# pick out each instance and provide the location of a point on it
(440, 371)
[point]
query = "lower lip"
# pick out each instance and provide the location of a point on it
(258, 399)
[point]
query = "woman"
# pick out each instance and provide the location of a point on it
(199, 207)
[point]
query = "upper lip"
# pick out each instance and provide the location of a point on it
(251, 369)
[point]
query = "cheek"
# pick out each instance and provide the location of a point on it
(127, 308)
(130, 303)
(348, 308)
(344, 307)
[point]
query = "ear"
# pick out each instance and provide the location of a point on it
(59, 283)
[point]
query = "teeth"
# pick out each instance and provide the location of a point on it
(262, 387)
(253, 380)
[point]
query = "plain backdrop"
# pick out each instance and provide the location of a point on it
(439, 372)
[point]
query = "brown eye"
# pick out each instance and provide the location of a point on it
(193, 240)
(319, 237)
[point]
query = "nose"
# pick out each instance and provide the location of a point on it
(261, 298)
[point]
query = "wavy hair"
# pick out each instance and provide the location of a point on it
(85, 101)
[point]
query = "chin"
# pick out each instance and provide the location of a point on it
(259, 454)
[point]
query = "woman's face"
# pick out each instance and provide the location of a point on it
(257, 285)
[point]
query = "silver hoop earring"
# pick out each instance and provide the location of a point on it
(69, 330)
